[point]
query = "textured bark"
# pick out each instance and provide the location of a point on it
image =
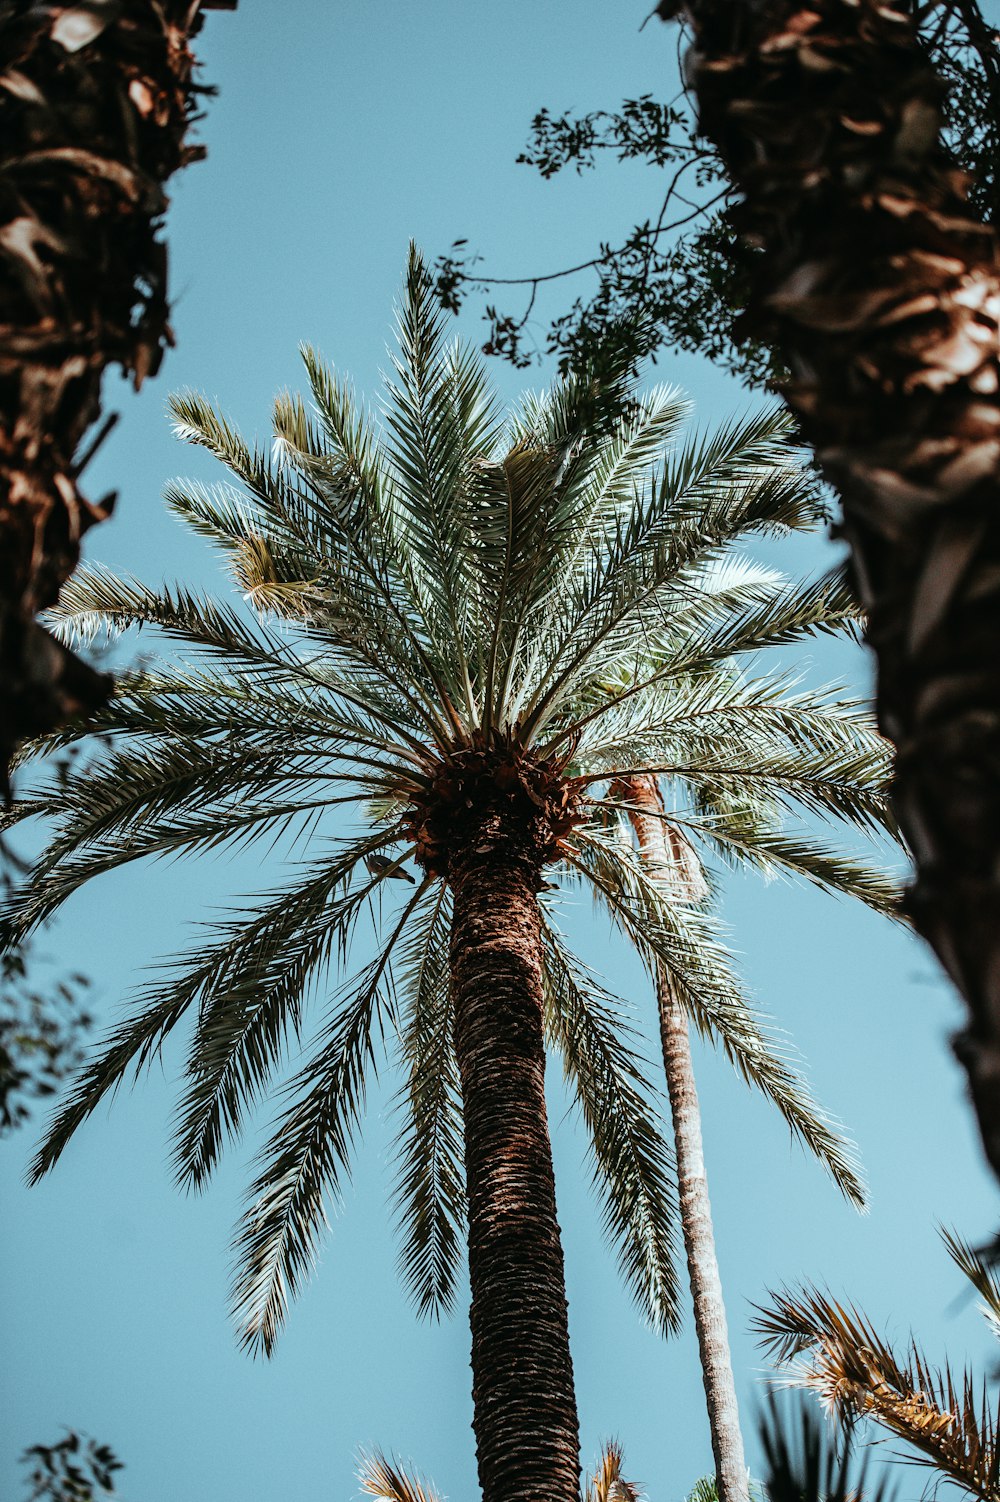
(666, 864)
(527, 1434)
(95, 105)
(881, 291)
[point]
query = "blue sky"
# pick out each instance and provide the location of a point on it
(340, 133)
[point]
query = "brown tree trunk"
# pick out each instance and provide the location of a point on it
(527, 1434)
(876, 283)
(95, 104)
(663, 866)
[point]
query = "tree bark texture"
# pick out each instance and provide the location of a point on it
(95, 105)
(671, 867)
(875, 282)
(527, 1433)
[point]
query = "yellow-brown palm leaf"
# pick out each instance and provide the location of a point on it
(836, 1352)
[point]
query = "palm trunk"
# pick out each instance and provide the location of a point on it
(876, 283)
(95, 106)
(692, 1183)
(527, 1434)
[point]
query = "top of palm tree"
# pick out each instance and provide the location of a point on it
(453, 608)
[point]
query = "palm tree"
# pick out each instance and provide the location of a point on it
(97, 102)
(946, 1420)
(876, 281)
(670, 863)
(444, 613)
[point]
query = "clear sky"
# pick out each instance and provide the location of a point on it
(340, 133)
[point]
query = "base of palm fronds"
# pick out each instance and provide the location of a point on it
(389, 1482)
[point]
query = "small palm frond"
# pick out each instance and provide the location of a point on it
(946, 1420)
(743, 840)
(674, 526)
(253, 983)
(443, 420)
(389, 1482)
(430, 1186)
(633, 1170)
(776, 615)
(687, 944)
(981, 1273)
(307, 1158)
(705, 1489)
(607, 1484)
(135, 1043)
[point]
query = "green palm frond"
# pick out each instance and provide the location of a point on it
(688, 944)
(676, 524)
(254, 981)
(430, 1186)
(799, 854)
(307, 1158)
(705, 1489)
(136, 1042)
(633, 1171)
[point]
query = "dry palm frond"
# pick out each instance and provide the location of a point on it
(390, 1483)
(836, 1352)
(607, 1483)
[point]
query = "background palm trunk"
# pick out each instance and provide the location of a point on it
(95, 106)
(880, 289)
(527, 1434)
(692, 1182)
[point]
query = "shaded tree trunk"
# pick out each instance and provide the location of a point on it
(527, 1434)
(665, 865)
(875, 282)
(95, 105)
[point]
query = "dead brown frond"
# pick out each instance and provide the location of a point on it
(607, 1483)
(835, 1351)
(384, 1479)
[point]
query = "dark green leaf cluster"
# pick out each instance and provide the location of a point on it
(645, 128)
(73, 1469)
(679, 279)
(42, 1031)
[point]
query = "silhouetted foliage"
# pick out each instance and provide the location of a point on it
(679, 280)
(41, 1036)
(75, 1469)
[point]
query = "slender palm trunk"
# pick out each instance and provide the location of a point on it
(94, 116)
(527, 1434)
(880, 287)
(692, 1183)
(699, 1246)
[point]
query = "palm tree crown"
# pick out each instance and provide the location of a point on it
(464, 629)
